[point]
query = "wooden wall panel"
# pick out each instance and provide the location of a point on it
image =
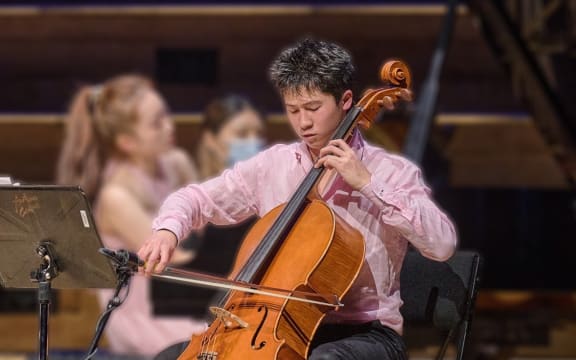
(30, 144)
(47, 53)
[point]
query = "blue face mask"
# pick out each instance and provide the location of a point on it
(242, 149)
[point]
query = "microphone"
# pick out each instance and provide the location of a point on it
(122, 257)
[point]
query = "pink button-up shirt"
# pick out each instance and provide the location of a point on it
(393, 209)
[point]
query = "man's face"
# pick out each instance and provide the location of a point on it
(315, 115)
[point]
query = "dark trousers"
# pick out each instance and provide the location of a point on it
(370, 341)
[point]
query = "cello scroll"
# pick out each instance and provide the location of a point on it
(395, 73)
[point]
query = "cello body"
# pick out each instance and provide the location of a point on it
(254, 326)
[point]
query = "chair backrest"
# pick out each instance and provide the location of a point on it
(441, 294)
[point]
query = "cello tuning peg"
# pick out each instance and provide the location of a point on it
(387, 102)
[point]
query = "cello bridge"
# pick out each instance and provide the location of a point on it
(227, 318)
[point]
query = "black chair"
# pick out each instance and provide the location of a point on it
(439, 296)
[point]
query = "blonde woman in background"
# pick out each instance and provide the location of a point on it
(119, 147)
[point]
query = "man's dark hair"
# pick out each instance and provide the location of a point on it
(313, 65)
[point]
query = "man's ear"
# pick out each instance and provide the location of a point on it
(346, 100)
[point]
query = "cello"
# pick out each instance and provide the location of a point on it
(279, 290)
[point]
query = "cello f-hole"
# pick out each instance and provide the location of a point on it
(254, 338)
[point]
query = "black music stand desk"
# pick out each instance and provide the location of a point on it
(48, 239)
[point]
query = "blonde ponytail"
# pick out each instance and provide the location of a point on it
(80, 160)
(96, 116)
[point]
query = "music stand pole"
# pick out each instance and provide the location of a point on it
(47, 271)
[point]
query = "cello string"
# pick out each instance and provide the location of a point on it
(206, 339)
(203, 341)
(212, 347)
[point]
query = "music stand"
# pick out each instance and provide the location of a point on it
(51, 225)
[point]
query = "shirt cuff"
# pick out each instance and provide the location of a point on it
(171, 225)
(380, 193)
(391, 202)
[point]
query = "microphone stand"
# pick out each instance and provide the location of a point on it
(124, 271)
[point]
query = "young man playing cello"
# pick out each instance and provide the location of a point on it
(380, 194)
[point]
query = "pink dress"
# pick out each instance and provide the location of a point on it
(132, 327)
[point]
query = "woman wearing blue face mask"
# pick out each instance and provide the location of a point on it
(232, 131)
